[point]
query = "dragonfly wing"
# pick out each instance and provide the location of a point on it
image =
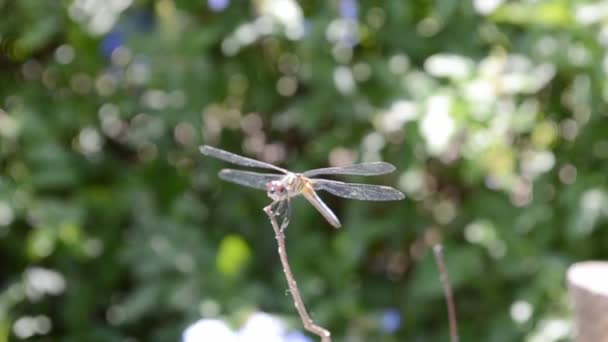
(236, 159)
(365, 169)
(321, 207)
(366, 192)
(248, 178)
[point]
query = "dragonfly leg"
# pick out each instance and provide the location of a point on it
(278, 207)
(286, 216)
(275, 208)
(271, 208)
(282, 211)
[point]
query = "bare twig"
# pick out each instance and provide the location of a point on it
(309, 324)
(447, 291)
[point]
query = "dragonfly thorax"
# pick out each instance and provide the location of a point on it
(284, 188)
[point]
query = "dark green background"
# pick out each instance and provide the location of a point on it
(102, 185)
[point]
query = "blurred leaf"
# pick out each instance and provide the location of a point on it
(232, 255)
(41, 243)
(550, 13)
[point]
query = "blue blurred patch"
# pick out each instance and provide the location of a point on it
(218, 5)
(143, 20)
(349, 9)
(390, 321)
(111, 42)
(297, 336)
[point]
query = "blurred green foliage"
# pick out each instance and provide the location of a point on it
(113, 226)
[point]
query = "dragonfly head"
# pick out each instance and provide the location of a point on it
(276, 190)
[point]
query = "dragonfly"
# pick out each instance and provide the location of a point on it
(284, 185)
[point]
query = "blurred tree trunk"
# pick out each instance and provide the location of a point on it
(588, 286)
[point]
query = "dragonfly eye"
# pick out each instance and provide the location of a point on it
(273, 187)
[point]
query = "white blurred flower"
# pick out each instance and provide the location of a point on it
(342, 31)
(42, 281)
(541, 75)
(484, 233)
(481, 93)
(28, 326)
(7, 214)
(262, 327)
(89, 141)
(209, 330)
(399, 114)
(259, 327)
(344, 80)
(552, 329)
(9, 127)
(535, 163)
(592, 207)
(448, 65)
(486, 7)
(286, 12)
(592, 13)
(246, 34)
(99, 16)
(521, 311)
(413, 183)
(437, 126)
(371, 146)
(515, 74)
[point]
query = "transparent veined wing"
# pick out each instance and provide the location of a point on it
(236, 159)
(248, 178)
(365, 169)
(366, 192)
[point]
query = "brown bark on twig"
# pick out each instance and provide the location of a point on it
(447, 291)
(309, 324)
(588, 287)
